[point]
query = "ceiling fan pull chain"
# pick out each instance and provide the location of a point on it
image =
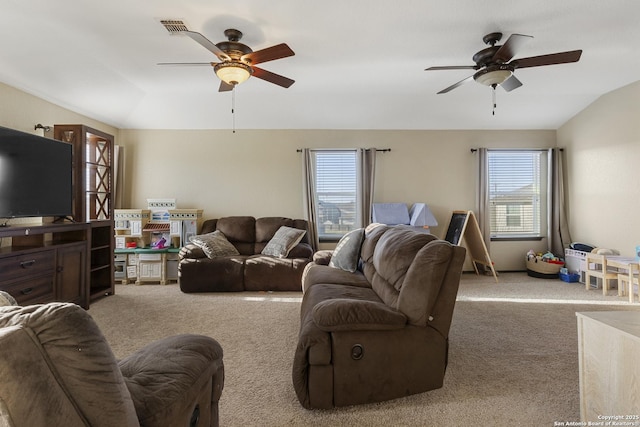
(493, 100)
(233, 108)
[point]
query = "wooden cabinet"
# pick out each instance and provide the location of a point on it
(101, 266)
(45, 263)
(71, 261)
(29, 275)
(93, 172)
(93, 153)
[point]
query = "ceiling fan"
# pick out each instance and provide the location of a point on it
(495, 66)
(238, 61)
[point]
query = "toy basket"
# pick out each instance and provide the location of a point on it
(536, 267)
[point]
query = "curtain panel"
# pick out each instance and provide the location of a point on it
(366, 180)
(558, 234)
(483, 207)
(309, 199)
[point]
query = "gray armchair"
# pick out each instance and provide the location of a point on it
(57, 369)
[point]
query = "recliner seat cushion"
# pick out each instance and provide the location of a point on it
(196, 275)
(316, 273)
(282, 274)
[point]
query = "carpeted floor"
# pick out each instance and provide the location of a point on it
(512, 362)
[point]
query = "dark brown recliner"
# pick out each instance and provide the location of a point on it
(382, 332)
(57, 369)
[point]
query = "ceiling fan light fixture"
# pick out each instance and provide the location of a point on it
(233, 72)
(494, 74)
(493, 77)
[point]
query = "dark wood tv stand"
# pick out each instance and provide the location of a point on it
(69, 262)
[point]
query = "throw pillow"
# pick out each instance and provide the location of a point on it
(347, 253)
(283, 241)
(214, 244)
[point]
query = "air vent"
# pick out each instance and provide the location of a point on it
(174, 26)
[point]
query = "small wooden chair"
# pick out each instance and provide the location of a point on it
(597, 267)
(626, 282)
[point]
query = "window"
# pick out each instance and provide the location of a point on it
(517, 193)
(336, 193)
(514, 215)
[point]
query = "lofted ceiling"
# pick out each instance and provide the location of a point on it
(358, 64)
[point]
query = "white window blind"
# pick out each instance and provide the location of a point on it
(336, 192)
(517, 192)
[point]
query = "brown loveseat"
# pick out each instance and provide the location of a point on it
(381, 331)
(57, 369)
(248, 269)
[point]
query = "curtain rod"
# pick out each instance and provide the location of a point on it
(473, 150)
(383, 150)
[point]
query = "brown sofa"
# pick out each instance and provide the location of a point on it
(380, 332)
(249, 270)
(57, 369)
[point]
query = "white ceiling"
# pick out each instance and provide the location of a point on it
(359, 64)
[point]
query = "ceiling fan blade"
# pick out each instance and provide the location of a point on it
(511, 83)
(510, 47)
(208, 44)
(187, 63)
(269, 54)
(224, 86)
(453, 67)
(272, 77)
(453, 86)
(551, 59)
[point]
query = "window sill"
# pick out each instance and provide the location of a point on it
(516, 238)
(329, 239)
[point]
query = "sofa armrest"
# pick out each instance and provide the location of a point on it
(301, 250)
(191, 251)
(169, 378)
(342, 314)
(322, 257)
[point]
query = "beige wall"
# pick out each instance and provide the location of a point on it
(603, 169)
(259, 173)
(21, 111)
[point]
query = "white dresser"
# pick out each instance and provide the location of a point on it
(609, 357)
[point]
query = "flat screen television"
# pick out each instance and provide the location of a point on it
(35, 176)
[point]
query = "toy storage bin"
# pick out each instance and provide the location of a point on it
(570, 277)
(543, 270)
(575, 262)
